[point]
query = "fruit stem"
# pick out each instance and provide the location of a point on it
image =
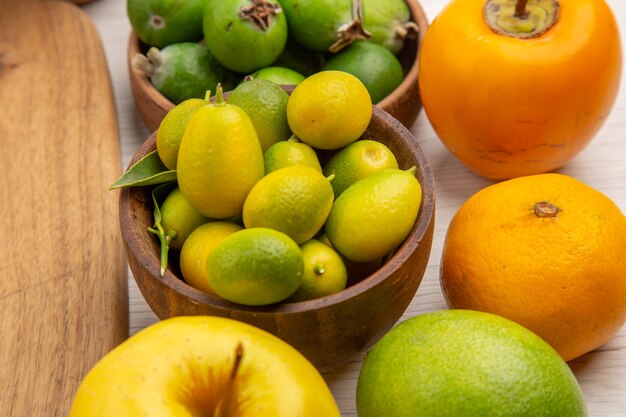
(545, 209)
(293, 139)
(351, 31)
(520, 9)
(407, 30)
(319, 269)
(330, 177)
(143, 64)
(412, 170)
(207, 95)
(219, 97)
(224, 400)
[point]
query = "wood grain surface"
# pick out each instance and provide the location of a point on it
(63, 292)
(601, 374)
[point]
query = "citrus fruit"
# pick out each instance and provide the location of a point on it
(356, 161)
(374, 65)
(178, 216)
(278, 75)
(324, 272)
(295, 200)
(196, 250)
(543, 251)
(329, 110)
(244, 35)
(182, 70)
(388, 22)
(255, 266)
(461, 363)
(265, 103)
(374, 215)
(163, 22)
(220, 159)
(172, 128)
(290, 152)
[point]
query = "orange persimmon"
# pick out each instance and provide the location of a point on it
(515, 89)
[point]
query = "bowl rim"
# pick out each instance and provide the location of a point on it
(418, 16)
(150, 262)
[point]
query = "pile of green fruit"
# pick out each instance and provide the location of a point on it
(252, 213)
(193, 45)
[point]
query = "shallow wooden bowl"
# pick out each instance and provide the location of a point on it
(329, 331)
(403, 103)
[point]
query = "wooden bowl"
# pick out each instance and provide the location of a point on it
(403, 103)
(330, 330)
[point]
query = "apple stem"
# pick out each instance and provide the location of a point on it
(520, 9)
(238, 357)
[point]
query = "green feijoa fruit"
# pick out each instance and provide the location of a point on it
(324, 25)
(183, 70)
(389, 22)
(245, 35)
(374, 65)
(300, 59)
(163, 22)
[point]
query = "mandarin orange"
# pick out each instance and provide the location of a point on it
(545, 251)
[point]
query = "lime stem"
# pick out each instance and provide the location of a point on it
(412, 170)
(207, 95)
(319, 269)
(330, 177)
(219, 96)
(520, 9)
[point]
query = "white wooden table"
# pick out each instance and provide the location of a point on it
(602, 373)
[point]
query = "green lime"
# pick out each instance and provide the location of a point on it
(196, 249)
(295, 200)
(265, 103)
(356, 161)
(324, 272)
(288, 153)
(183, 70)
(160, 23)
(220, 159)
(374, 65)
(172, 128)
(278, 75)
(179, 216)
(463, 363)
(374, 215)
(245, 35)
(255, 266)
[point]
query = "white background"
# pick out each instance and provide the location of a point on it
(602, 373)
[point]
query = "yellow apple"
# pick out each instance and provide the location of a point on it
(203, 367)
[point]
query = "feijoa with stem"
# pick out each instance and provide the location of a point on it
(324, 25)
(183, 70)
(389, 22)
(245, 35)
(160, 23)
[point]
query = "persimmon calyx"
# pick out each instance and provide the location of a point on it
(522, 19)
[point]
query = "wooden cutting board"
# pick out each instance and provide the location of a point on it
(63, 276)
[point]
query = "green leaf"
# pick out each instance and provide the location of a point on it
(149, 170)
(165, 237)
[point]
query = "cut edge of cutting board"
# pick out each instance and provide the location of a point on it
(64, 291)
